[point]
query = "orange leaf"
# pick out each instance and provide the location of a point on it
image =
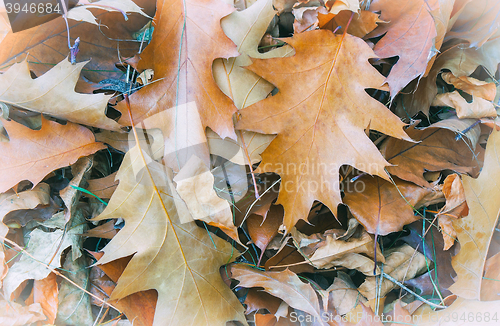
(319, 114)
(187, 39)
(32, 154)
(409, 34)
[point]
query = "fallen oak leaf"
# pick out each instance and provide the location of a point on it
(326, 250)
(476, 229)
(42, 151)
(383, 207)
(285, 285)
(456, 207)
(320, 124)
(180, 34)
(54, 94)
(401, 263)
(103, 187)
(479, 108)
(437, 149)
(185, 276)
(14, 314)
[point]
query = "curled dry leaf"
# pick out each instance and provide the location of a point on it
(195, 185)
(81, 13)
(343, 294)
(105, 231)
(477, 109)
(455, 207)
(334, 110)
(285, 285)
(45, 247)
(159, 232)
(32, 154)
(471, 86)
(402, 263)
(383, 207)
(53, 93)
(262, 229)
(257, 299)
(476, 230)
(326, 250)
(461, 62)
(179, 27)
(28, 199)
(436, 150)
(14, 314)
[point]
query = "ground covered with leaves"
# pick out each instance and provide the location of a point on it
(251, 162)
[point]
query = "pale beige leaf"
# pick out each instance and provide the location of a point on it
(44, 246)
(476, 230)
(285, 285)
(449, 233)
(479, 108)
(455, 207)
(54, 94)
(344, 294)
(183, 136)
(247, 27)
(195, 185)
(227, 148)
(243, 86)
(176, 259)
(327, 250)
(339, 5)
(14, 314)
(402, 263)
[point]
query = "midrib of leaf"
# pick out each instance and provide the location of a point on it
(334, 61)
(157, 193)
